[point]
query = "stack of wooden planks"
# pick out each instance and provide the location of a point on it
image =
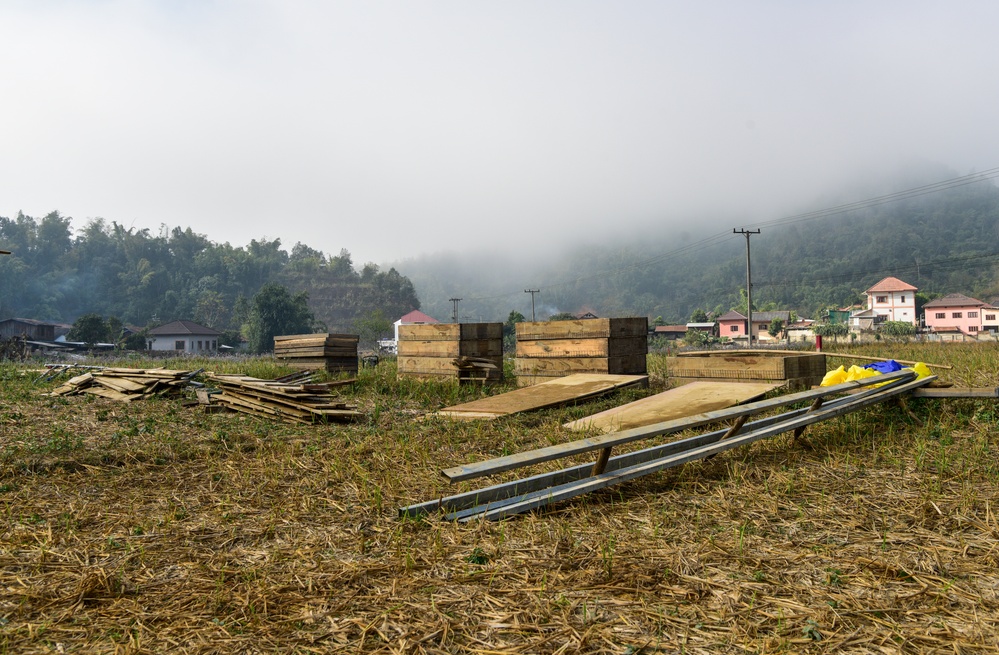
(462, 351)
(125, 384)
(798, 371)
(553, 349)
(333, 353)
(294, 402)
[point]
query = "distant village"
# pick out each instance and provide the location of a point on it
(954, 317)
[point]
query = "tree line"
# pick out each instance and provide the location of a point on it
(145, 280)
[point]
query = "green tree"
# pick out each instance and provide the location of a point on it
(274, 312)
(510, 330)
(834, 330)
(562, 316)
(697, 338)
(699, 316)
(371, 327)
(776, 328)
(897, 331)
(90, 329)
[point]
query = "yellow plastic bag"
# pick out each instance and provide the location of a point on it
(832, 378)
(921, 370)
(859, 373)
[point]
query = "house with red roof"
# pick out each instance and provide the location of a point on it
(891, 299)
(955, 311)
(415, 317)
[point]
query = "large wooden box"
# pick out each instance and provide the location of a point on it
(334, 353)
(552, 349)
(804, 370)
(462, 351)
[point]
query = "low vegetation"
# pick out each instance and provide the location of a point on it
(155, 527)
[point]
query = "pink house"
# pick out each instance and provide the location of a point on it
(954, 311)
(732, 324)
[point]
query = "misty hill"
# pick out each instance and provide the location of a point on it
(941, 241)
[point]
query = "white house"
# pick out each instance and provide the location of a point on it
(891, 299)
(184, 336)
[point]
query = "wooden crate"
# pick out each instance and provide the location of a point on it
(333, 353)
(803, 370)
(462, 351)
(553, 349)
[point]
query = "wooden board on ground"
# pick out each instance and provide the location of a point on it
(694, 398)
(562, 391)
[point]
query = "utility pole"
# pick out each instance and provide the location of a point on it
(749, 282)
(532, 292)
(454, 311)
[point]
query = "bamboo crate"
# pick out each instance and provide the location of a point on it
(461, 351)
(333, 353)
(553, 349)
(805, 370)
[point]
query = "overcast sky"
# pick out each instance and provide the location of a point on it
(394, 129)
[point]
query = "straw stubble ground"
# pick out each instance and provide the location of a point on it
(150, 527)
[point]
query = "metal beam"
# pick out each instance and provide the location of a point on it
(518, 460)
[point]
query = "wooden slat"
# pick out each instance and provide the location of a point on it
(628, 365)
(957, 392)
(451, 348)
(596, 347)
(518, 460)
(583, 329)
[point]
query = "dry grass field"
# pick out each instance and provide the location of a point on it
(151, 527)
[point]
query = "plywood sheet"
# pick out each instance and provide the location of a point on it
(690, 399)
(570, 388)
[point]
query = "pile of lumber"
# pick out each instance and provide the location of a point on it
(462, 351)
(295, 402)
(333, 353)
(126, 384)
(553, 349)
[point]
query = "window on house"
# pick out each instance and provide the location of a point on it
(903, 298)
(957, 315)
(880, 298)
(178, 345)
(972, 314)
(972, 328)
(941, 315)
(990, 317)
(734, 328)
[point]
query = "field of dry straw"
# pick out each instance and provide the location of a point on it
(151, 527)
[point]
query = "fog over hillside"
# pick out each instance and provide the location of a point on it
(824, 253)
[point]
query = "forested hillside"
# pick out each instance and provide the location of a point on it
(143, 279)
(942, 242)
